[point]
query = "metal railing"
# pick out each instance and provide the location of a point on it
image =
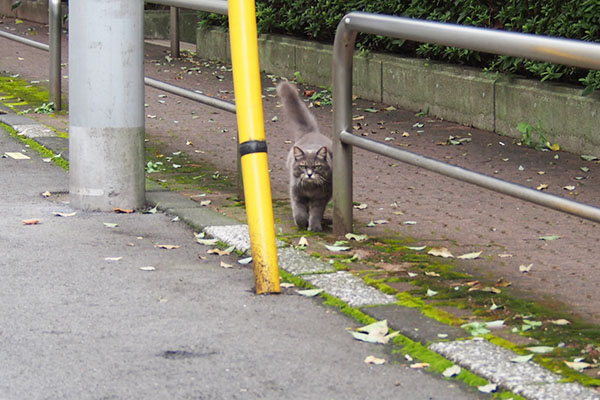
(54, 48)
(562, 51)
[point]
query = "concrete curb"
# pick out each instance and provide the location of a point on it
(479, 356)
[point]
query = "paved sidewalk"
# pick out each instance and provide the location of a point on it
(81, 319)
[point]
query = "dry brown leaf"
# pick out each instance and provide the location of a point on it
(482, 288)
(419, 365)
(431, 273)
(374, 360)
(543, 186)
(167, 246)
(32, 221)
(46, 194)
(440, 252)
(219, 252)
(225, 265)
(503, 283)
(123, 210)
(62, 214)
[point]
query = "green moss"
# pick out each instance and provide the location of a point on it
(32, 144)
(19, 94)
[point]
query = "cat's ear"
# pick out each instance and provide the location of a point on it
(298, 153)
(322, 153)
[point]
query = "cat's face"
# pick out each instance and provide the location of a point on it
(311, 167)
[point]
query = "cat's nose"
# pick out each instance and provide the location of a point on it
(309, 172)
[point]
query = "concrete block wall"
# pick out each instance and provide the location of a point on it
(455, 93)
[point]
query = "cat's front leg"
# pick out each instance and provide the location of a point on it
(317, 209)
(300, 212)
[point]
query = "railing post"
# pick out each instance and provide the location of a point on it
(55, 48)
(343, 50)
(174, 32)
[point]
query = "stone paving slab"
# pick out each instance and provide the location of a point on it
(299, 263)
(349, 288)
(411, 323)
(494, 363)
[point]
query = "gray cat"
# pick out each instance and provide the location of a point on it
(309, 162)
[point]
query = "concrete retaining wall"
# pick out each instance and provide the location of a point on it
(461, 94)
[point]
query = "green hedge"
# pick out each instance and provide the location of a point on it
(318, 19)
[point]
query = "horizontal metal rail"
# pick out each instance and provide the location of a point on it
(563, 51)
(475, 178)
(214, 6)
(188, 94)
(22, 40)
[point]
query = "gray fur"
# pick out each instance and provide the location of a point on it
(309, 162)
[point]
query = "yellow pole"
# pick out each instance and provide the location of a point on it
(253, 148)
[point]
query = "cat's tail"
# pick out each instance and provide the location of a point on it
(297, 112)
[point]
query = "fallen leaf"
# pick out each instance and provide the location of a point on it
(337, 248)
(440, 252)
(416, 248)
(360, 206)
(32, 221)
(381, 222)
(149, 268)
(110, 225)
(431, 273)
(560, 322)
(113, 258)
(225, 265)
(543, 186)
(525, 268)
(46, 194)
(419, 365)
(358, 238)
(405, 134)
(492, 387)
(476, 328)
(17, 156)
(540, 349)
(302, 242)
(502, 283)
(374, 360)
(207, 242)
(390, 108)
(570, 188)
(522, 359)
(286, 285)
(549, 237)
(62, 214)
(167, 246)
(504, 255)
(205, 203)
(245, 261)
(309, 292)
(411, 274)
(588, 157)
(123, 210)
(470, 256)
(371, 224)
(578, 365)
(451, 371)
(376, 332)
(494, 324)
(409, 223)
(431, 293)
(220, 252)
(482, 288)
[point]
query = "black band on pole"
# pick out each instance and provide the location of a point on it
(253, 146)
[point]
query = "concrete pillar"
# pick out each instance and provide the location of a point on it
(106, 104)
